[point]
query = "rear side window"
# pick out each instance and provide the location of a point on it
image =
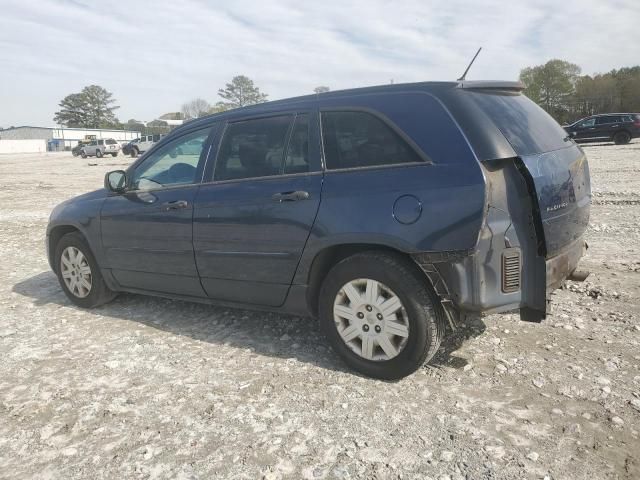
(100, 142)
(360, 139)
(252, 148)
(527, 127)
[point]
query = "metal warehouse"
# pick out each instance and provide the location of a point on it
(58, 139)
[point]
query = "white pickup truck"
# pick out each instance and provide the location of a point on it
(144, 143)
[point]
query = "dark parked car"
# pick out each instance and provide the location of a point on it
(389, 213)
(610, 127)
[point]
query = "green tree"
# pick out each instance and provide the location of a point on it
(240, 93)
(321, 89)
(551, 85)
(93, 107)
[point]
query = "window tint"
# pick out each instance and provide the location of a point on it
(110, 141)
(360, 139)
(253, 148)
(527, 127)
(297, 160)
(606, 119)
(100, 142)
(588, 123)
(175, 163)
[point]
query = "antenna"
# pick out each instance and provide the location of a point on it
(471, 63)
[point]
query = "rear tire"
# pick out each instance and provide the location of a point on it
(75, 276)
(134, 152)
(99, 153)
(621, 138)
(114, 155)
(83, 154)
(413, 330)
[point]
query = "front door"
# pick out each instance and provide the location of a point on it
(147, 231)
(252, 220)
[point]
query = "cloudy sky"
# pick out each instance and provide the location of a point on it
(155, 55)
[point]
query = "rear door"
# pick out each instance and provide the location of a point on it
(253, 216)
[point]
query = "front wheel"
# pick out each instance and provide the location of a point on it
(134, 152)
(621, 138)
(379, 316)
(83, 154)
(79, 274)
(99, 153)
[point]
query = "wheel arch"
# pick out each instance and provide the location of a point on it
(54, 237)
(330, 256)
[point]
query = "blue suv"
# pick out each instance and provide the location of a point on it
(389, 213)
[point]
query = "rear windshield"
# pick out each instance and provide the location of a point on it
(527, 127)
(110, 142)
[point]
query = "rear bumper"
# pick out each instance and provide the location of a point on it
(561, 266)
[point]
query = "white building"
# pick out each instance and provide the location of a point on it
(59, 138)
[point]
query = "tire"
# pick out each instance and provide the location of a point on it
(98, 293)
(134, 152)
(99, 153)
(621, 138)
(83, 155)
(417, 341)
(114, 155)
(75, 154)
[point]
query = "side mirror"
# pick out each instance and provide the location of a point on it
(115, 181)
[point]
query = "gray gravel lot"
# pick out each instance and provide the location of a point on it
(152, 388)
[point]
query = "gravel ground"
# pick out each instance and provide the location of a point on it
(152, 388)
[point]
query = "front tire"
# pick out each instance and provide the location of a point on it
(79, 274)
(83, 154)
(379, 316)
(134, 152)
(621, 138)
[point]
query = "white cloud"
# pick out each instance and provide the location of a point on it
(155, 55)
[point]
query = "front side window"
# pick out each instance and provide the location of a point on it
(176, 163)
(100, 142)
(252, 148)
(588, 123)
(360, 139)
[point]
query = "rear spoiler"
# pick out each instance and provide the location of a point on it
(491, 85)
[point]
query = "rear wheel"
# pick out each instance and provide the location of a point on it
(83, 154)
(134, 152)
(115, 154)
(621, 138)
(99, 153)
(379, 316)
(79, 274)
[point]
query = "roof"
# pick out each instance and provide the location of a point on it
(307, 100)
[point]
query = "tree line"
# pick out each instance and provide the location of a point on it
(94, 107)
(559, 88)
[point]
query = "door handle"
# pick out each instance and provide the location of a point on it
(290, 196)
(175, 205)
